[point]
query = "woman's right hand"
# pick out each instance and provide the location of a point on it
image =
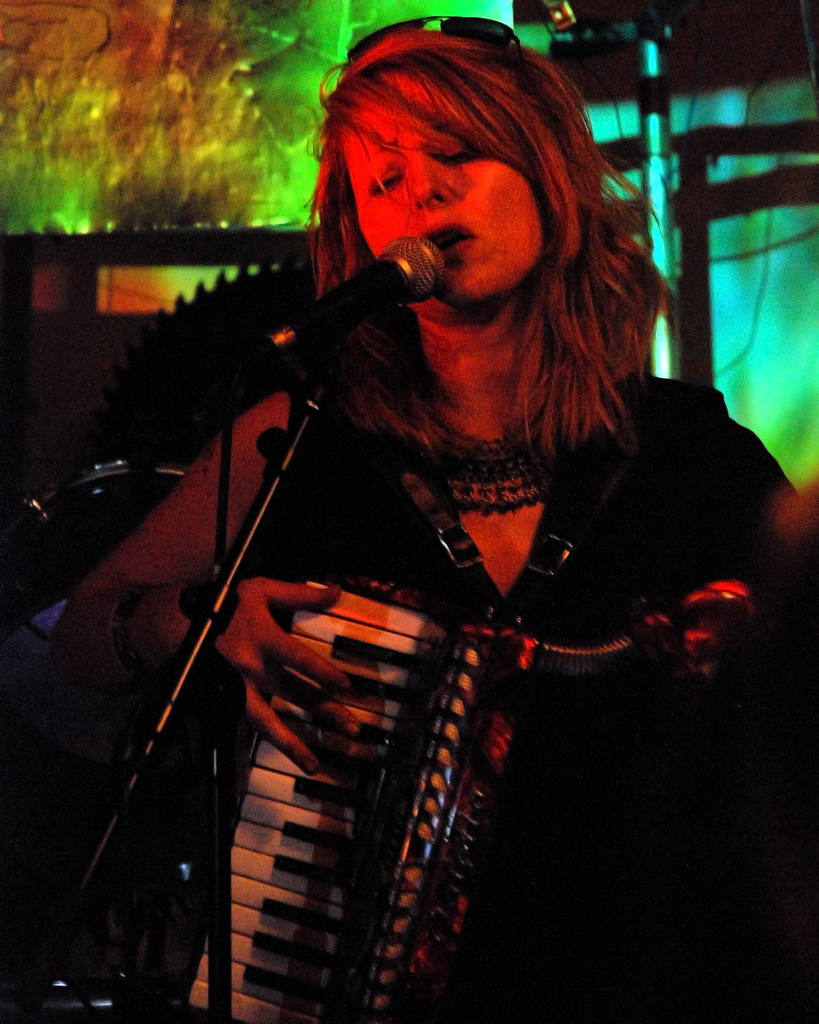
(263, 652)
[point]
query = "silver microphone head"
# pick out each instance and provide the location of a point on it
(420, 260)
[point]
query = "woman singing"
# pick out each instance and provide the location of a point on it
(518, 395)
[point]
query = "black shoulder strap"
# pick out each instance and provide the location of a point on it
(417, 483)
(584, 483)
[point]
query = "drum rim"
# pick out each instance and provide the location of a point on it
(107, 470)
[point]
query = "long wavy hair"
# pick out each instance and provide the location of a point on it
(595, 293)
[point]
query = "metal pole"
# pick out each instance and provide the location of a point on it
(658, 183)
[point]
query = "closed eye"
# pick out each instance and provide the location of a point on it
(382, 185)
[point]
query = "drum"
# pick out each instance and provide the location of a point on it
(57, 540)
(51, 547)
(58, 783)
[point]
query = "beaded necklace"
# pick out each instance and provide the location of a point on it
(499, 477)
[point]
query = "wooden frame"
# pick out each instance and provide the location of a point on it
(697, 202)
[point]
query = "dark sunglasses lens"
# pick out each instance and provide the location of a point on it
(481, 29)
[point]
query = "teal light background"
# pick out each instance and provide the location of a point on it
(764, 279)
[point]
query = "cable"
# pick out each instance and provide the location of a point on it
(768, 246)
(748, 347)
(612, 98)
(763, 76)
(810, 45)
(783, 243)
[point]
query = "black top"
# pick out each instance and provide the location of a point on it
(616, 888)
(685, 513)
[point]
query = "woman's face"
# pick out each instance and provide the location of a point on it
(480, 213)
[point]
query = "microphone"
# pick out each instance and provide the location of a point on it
(408, 270)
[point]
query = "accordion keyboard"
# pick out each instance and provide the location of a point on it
(295, 838)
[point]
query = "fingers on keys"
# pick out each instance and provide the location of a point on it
(264, 720)
(296, 655)
(258, 644)
(300, 690)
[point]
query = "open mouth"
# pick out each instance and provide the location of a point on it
(447, 238)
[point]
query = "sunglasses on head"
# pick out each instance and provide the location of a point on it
(482, 30)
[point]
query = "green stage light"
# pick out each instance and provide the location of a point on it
(159, 115)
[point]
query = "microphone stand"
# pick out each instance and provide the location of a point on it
(652, 33)
(210, 618)
(657, 172)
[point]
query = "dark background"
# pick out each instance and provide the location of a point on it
(736, 40)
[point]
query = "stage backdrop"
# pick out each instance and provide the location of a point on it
(149, 114)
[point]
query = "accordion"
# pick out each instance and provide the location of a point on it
(350, 886)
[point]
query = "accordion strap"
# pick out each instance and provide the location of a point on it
(584, 483)
(415, 483)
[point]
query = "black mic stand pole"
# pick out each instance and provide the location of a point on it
(227, 703)
(227, 706)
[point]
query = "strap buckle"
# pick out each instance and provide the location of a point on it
(552, 551)
(456, 541)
